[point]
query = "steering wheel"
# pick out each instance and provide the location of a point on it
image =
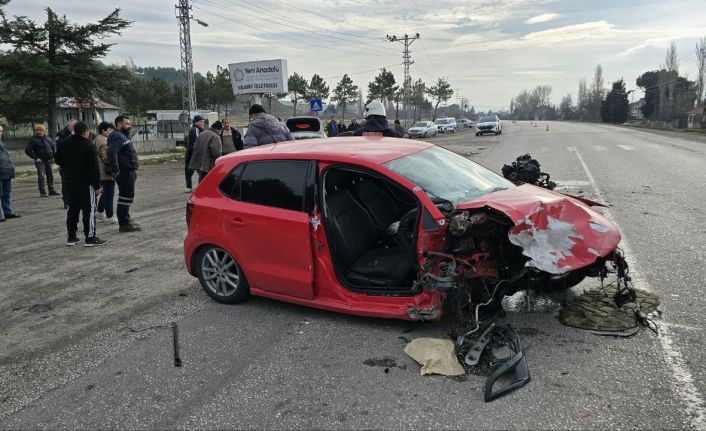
(405, 232)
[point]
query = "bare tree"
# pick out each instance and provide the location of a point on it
(596, 94)
(701, 67)
(671, 61)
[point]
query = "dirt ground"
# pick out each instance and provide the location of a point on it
(52, 293)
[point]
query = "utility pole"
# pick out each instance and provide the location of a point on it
(188, 89)
(407, 60)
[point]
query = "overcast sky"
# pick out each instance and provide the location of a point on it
(489, 50)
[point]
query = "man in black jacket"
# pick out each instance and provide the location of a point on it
(41, 149)
(123, 161)
(376, 122)
(63, 135)
(79, 161)
(196, 128)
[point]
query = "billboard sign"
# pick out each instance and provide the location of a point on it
(257, 77)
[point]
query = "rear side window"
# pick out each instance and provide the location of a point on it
(275, 183)
(230, 185)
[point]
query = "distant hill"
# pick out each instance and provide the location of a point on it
(169, 74)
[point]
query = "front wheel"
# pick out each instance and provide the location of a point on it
(221, 276)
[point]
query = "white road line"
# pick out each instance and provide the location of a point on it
(572, 183)
(599, 148)
(627, 147)
(683, 384)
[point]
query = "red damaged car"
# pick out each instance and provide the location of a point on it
(383, 227)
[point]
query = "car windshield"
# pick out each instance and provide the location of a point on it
(444, 121)
(488, 120)
(422, 124)
(447, 175)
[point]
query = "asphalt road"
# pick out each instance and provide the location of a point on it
(265, 364)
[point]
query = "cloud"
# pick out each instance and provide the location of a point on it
(542, 18)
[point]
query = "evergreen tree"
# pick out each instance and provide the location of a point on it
(346, 93)
(383, 87)
(298, 89)
(318, 88)
(614, 108)
(59, 57)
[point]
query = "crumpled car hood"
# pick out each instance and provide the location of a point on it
(557, 232)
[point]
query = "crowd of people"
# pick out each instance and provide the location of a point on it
(91, 165)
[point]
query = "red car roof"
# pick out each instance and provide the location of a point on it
(372, 149)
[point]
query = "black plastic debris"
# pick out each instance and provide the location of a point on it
(525, 169)
(39, 308)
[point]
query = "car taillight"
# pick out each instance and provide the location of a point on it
(189, 211)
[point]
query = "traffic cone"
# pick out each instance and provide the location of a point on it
(547, 129)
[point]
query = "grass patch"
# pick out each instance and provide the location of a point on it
(162, 160)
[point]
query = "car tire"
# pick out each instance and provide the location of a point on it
(477, 134)
(501, 131)
(425, 135)
(220, 276)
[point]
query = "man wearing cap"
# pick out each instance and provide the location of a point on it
(42, 149)
(196, 129)
(207, 148)
(376, 122)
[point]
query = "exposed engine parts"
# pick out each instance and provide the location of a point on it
(526, 170)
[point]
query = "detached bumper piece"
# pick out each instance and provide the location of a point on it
(502, 346)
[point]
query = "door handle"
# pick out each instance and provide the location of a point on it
(236, 221)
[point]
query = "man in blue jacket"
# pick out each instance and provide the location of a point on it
(123, 162)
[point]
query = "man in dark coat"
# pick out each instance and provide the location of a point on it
(353, 126)
(376, 122)
(123, 163)
(42, 149)
(196, 128)
(78, 158)
(342, 127)
(63, 135)
(7, 173)
(232, 141)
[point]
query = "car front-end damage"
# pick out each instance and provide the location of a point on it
(520, 238)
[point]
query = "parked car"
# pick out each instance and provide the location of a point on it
(306, 128)
(423, 129)
(489, 124)
(446, 125)
(465, 123)
(382, 227)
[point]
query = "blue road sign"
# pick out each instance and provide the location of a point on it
(315, 105)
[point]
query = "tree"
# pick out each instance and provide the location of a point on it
(566, 107)
(668, 96)
(648, 81)
(614, 108)
(220, 89)
(595, 96)
(440, 92)
(383, 87)
(346, 93)
(418, 99)
(59, 57)
(582, 100)
(671, 61)
(318, 88)
(701, 70)
(298, 89)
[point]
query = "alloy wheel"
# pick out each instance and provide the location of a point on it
(220, 272)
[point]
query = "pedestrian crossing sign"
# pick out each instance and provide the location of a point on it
(315, 105)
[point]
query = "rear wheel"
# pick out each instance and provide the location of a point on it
(221, 276)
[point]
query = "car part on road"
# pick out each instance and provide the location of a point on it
(526, 170)
(175, 338)
(436, 356)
